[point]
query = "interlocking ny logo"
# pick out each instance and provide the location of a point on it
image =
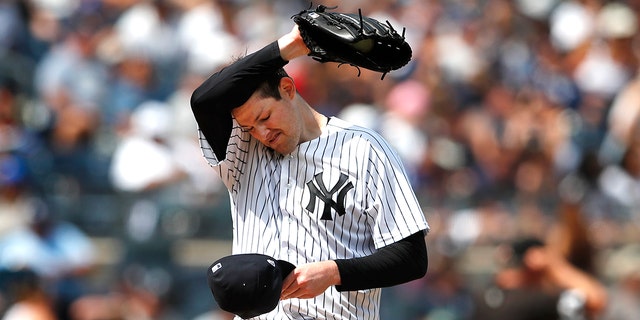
(319, 191)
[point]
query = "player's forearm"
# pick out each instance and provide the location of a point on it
(568, 276)
(394, 264)
(233, 85)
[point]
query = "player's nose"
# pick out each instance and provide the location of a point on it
(261, 133)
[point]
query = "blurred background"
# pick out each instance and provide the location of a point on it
(514, 118)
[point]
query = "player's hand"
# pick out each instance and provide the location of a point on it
(310, 280)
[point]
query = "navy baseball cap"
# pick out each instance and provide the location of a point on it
(247, 285)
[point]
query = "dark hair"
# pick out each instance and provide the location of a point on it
(270, 87)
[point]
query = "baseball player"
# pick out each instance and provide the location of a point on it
(328, 196)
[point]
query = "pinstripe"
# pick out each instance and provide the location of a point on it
(270, 195)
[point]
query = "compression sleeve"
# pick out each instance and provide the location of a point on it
(394, 264)
(229, 88)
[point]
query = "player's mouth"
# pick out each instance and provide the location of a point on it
(272, 140)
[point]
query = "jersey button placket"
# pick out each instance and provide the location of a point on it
(286, 193)
(286, 175)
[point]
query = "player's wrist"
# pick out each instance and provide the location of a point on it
(292, 46)
(336, 280)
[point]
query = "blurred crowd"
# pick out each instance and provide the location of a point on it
(514, 119)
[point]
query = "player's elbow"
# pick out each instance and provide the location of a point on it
(196, 100)
(424, 266)
(421, 262)
(415, 257)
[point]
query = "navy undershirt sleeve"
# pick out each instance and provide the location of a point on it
(229, 88)
(394, 264)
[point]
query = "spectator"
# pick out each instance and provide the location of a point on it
(56, 251)
(538, 283)
(27, 297)
(147, 135)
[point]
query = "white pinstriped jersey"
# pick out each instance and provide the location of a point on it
(341, 195)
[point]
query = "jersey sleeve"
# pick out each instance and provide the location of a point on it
(236, 144)
(227, 89)
(239, 142)
(393, 203)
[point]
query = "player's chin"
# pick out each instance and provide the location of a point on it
(283, 147)
(283, 151)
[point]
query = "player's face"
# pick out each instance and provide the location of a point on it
(275, 123)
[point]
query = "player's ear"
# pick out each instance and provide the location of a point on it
(287, 87)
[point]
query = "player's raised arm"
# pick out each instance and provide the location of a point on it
(232, 86)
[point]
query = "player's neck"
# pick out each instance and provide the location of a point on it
(313, 122)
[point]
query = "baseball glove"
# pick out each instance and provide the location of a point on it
(352, 39)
